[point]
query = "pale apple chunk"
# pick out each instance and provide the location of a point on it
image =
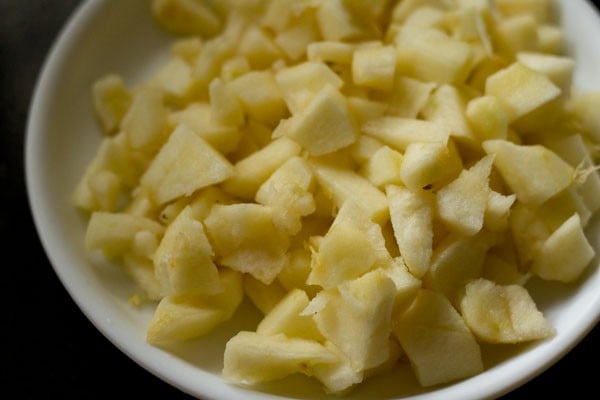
(295, 38)
(288, 190)
(264, 296)
(251, 358)
(339, 377)
(184, 164)
(383, 168)
(462, 203)
(224, 106)
(456, 261)
(583, 109)
(344, 253)
(540, 10)
(141, 271)
(364, 148)
(515, 34)
(497, 211)
(533, 172)
(258, 47)
(407, 285)
(285, 318)
(265, 105)
(330, 52)
(114, 233)
(438, 343)
(364, 109)
(186, 17)
(520, 90)
(558, 69)
(337, 22)
(446, 107)
(502, 314)
(408, 96)
(341, 185)
(300, 83)
(399, 133)
(487, 118)
(528, 231)
(184, 258)
(105, 187)
(245, 238)
(427, 165)
(411, 214)
(111, 101)
(374, 67)
(324, 125)
(551, 39)
(503, 272)
(561, 207)
(356, 317)
(145, 121)
(174, 79)
(201, 119)
(184, 317)
(252, 171)
(565, 254)
(430, 55)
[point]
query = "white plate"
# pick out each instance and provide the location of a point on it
(119, 36)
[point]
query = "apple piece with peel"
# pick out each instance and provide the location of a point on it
(502, 314)
(462, 203)
(183, 165)
(251, 358)
(411, 214)
(565, 254)
(245, 238)
(184, 317)
(533, 172)
(184, 258)
(438, 343)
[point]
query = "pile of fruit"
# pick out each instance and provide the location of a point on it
(379, 178)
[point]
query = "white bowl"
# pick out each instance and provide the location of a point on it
(119, 36)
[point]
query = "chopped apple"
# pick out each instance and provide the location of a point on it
(245, 238)
(399, 132)
(374, 67)
(462, 203)
(408, 96)
(186, 17)
(224, 106)
(325, 125)
(383, 168)
(144, 123)
(184, 258)
(111, 101)
(487, 118)
(520, 90)
(439, 345)
(502, 314)
(184, 164)
(251, 358)
(533, 172)
(411, 214)
(565, 254)
(266, 104)
(429, 164)
(264, 296)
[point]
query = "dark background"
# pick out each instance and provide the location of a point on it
(49, 349)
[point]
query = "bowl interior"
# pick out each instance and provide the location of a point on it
(120, 37)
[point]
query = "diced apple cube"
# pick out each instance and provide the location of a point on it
(520, 90)
(174, 79)
(462, 203)
(399, 133)
(487, 118)
(258, 47)
(184, 317)
(558, 69)
(141, 270)
(411, 214)
(374, 67)
(245, 238)
(565, 254)
(184, 164)
(300, 83)
(111, 101)
(502, 314)
(343, 185)
(324, 125)
(515, 34)
(431, 55)
(144, 123)
(383, 168)
(429, 164)
(260, 96)
(439, 345)
(264, 296)
(295, 39)
(252, 171)
(533, 172)
(337, 22)
(251, 358)
(497, 211)
(224, 106)
(184, 258)
(187, 17)
(408, 96)
(330, 51)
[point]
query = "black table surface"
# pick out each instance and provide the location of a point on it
(49, 349)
